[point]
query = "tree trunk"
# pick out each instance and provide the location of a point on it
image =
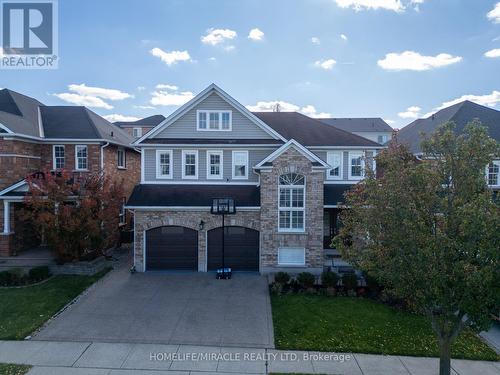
(444, 356)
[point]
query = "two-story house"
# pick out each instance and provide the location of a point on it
(374, 129)
(140, 127)
(35, 137)
(460, 114)
(286, 172)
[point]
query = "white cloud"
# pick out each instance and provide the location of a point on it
(325, 64)
(493, 53)
(343, 37)
(141, 88)
(116, 117)
(169, 95)
(212, 59)
(144, 107)
(410, 60)
(283, 106)
(103, 93)
(315, 40)
(388, 121)
(489, 100)
(411, 112)
(218, 36)
(256, 35)
(358, 5)
(172, 57)
(494, 14)
(84, 100)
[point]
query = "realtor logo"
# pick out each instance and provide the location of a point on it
(29, 34)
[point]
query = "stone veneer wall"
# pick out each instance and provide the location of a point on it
(145, 220)
(312, 238)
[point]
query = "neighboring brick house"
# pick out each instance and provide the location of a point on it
(286, 172)
(460, 114)
(374, 129)
(35, 137)
(140, 127)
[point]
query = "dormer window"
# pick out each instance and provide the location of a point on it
(214, 121)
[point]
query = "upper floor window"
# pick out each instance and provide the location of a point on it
(291, 203)
(494, 173)
(383, 138)
(334, 159)
(356, 165)
(163, 163)
(58, 157)
(137, 132)
(214, 120)
(214, 164)
(121, 158)
(240, 165)
(190, 164)
(81, 157)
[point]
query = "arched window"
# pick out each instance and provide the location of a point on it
(291, 205)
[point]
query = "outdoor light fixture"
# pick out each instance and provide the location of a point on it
(223, 206)
(201, 225)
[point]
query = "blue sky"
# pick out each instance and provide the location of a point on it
(368, 58)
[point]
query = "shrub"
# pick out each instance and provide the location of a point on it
(306, 280)
(277, 288)
(282, 278)
(374, 288)
(350, 281)
(329, 279)
(5, 278)
(11, 277)
(39, 273)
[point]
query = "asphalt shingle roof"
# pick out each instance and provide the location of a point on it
(145, 122)
(310, 132)
(374, 124)
(19, 113)
(461, 114)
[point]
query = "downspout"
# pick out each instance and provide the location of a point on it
(102, 156)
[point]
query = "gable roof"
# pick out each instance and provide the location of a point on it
(373, 124)
(19, 113)
(311, 132)
(150, 121)
(199, 98)
(25, 116)
(461, 114)
(292, 143)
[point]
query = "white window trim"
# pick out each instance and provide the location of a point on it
(76, 158)
(208, 120)
(122, 216)
(159, 175)
(496, 162)
(290, 209)
(54, 166)
(189, 152)
(341, 167)
(124, 166)
(221, 175)
(351, 155)
(234, 177)
(301, 264)
(139, 132)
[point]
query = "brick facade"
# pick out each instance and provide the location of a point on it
(17, 159)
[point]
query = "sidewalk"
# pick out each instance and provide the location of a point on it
(85, 358)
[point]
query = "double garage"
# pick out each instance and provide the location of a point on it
(176, 248)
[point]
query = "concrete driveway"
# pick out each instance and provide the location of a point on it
(169, 308)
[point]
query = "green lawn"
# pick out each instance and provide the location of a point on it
(344, 324)
(23, 310)
(6, 369)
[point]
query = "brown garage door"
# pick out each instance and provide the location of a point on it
(241, 249)
(172, 248)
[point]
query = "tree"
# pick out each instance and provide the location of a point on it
(78, 217)
(428, 231)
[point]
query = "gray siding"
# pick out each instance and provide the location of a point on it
(185, 127)
(254, 157)
(345, 160)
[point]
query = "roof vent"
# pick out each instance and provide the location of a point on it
(433, 116)
(112, 134)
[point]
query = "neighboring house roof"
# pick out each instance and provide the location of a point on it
(25, 116)
(311, 132)
(371, 124)
(461, 114)
(334, 193)
(186, 141)
(145, 195)
(19, 113)
(292, 143)
(150, 121)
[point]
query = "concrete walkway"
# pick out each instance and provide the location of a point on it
(86, 358)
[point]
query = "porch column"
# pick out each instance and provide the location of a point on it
(6, 217)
